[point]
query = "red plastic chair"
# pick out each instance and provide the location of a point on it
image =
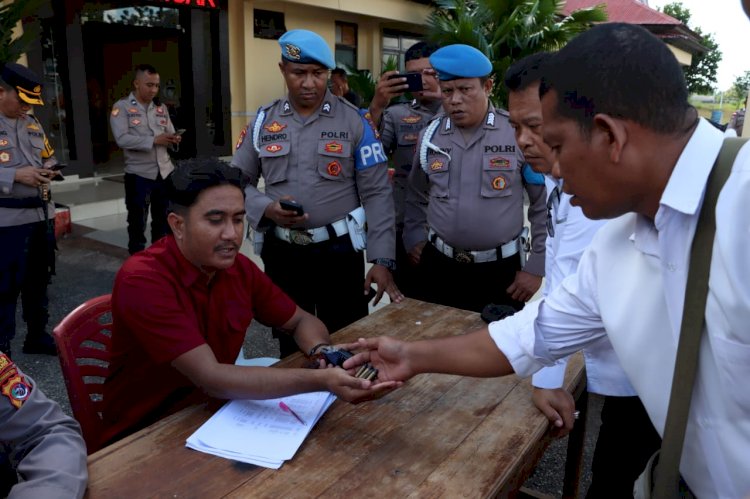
(83, 341)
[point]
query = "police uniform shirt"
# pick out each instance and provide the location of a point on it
(22, 143)
(399, 131)
(327, 162)
(134, 128)
(42, 444)
(471, 194)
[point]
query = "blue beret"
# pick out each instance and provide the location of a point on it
(24, 81)
(460, 61)
(306, 47)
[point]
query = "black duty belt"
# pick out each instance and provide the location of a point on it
(35, 202)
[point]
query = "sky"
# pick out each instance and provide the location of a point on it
(731, 27)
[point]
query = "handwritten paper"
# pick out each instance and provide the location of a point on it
(258, 431)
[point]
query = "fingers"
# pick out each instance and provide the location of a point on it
(395, 294)
(357, 360)
(378, 295)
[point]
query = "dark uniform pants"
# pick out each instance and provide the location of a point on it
(24, 270)
(627, 439)
(325, 279)
(406, 275)
(140, 193)
(469, 286)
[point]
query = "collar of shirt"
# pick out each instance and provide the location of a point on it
(685, 187)
(144, 107)
(327, 107)
(188, 272)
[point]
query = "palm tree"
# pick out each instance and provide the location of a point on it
(507, 30)
(10, 13)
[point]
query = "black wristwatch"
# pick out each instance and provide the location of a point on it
(388, 263)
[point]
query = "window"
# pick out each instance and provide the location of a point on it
(268, 24)
(395, 45)
(346, 44)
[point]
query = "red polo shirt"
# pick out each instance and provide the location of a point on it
(162, 307)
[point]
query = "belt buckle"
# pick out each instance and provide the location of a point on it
(462, 256)
(301, 237)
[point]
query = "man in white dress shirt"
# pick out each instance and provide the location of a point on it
(630, 148)
(626, 436)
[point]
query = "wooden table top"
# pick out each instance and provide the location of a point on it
(438, 435)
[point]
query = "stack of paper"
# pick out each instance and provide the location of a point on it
(261, 432)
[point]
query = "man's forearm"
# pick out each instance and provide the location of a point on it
(473, 354)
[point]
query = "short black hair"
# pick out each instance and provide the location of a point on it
(193, 176)
(338, 71)
(420, 50)
(524, 72)
(621, 70)
(144, 68)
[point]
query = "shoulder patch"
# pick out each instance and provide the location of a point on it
(369, 151)
(13, 384)
(115, 111)
(242, 138)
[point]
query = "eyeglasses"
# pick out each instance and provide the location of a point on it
(553, 209)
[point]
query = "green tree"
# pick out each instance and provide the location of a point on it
(507, 30)
(701, 74)
(10, 13)
(741, 86)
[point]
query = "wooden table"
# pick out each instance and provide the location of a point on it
(438, 435)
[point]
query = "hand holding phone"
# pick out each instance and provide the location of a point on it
(413, 80)
(289, 205)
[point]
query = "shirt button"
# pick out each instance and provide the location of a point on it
(671, 267)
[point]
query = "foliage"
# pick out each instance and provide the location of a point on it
(363, 83)
(741, 86)
(507, 30)
(10, 13)
(701, 74)
(144, 15)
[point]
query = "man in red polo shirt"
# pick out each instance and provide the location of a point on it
(181, 308)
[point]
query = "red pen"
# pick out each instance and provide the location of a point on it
(288, 409)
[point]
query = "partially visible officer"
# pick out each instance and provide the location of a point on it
(399, 126)
(26, 225)
(464, 204)
(42, 453)
(143, 130)
(316, 149)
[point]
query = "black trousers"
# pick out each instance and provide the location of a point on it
(24, 270)
(469, 286)
(325, 279)
(140, 194)
(406, 275)
(627, 439)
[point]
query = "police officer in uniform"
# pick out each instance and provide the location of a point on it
(42, 453)
(143, 129)
(399, 126)
(464, 206)
(317, 150)
(26, 215)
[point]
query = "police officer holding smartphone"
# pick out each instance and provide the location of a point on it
(317, 149)
(26, 215)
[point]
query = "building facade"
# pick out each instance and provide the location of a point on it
(217, 60)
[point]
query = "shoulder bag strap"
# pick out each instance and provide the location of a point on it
(693, 319)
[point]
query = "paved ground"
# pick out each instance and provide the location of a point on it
(86, 268)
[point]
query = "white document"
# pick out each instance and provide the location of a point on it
(260, 432)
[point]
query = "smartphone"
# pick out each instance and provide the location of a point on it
(414, 80)
(180, 131)
(294, 206)
(58, 166)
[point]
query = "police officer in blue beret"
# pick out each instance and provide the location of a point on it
(26, 214)
(464, 219)
(319, 151)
